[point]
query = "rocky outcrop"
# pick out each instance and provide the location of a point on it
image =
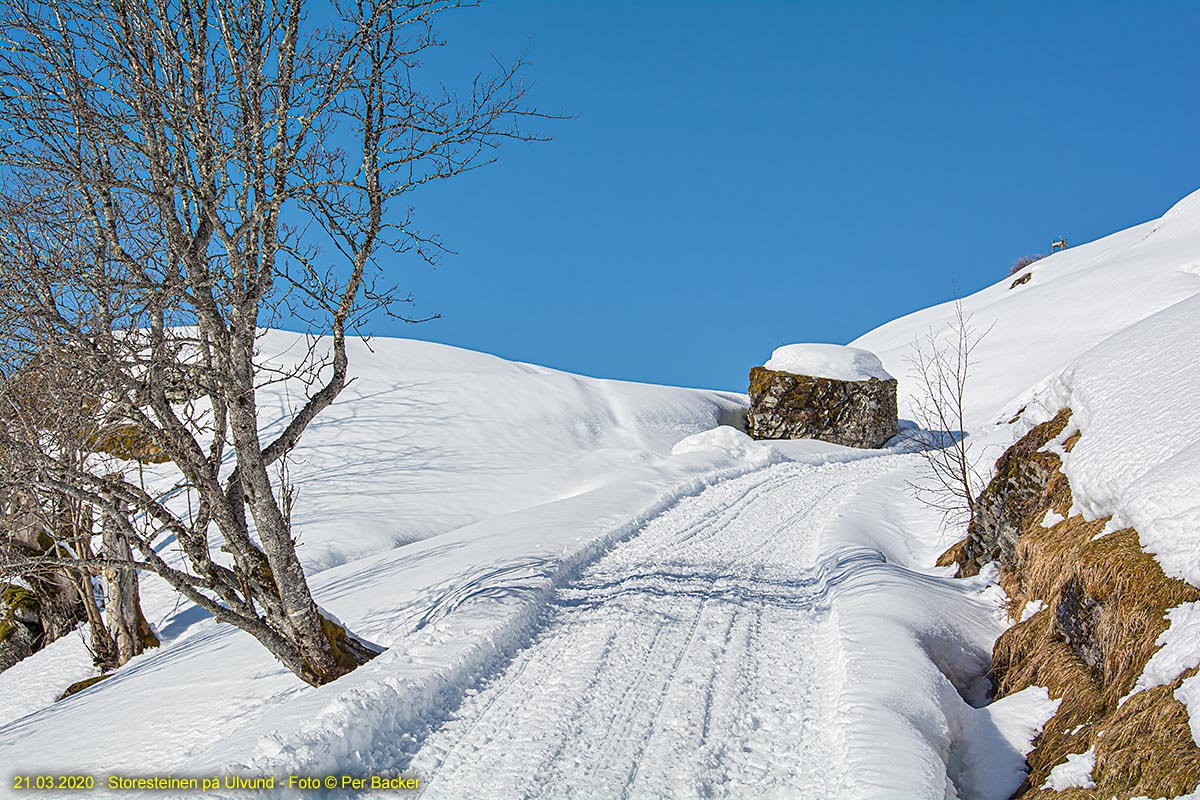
(1005, 507)
(1101, 604)
(21, 631)
(1078, 619)
(38, 607)
(853, 413)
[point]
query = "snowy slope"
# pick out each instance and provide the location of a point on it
(1076, 299)
(1110, 330)
(428, 438)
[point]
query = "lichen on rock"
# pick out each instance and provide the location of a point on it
(20, 625)
(858, 413)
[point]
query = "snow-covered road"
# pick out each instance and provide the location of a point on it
(699, 658)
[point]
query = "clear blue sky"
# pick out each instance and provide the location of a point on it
(741, 175)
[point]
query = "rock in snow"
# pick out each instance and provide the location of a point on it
(823, 391)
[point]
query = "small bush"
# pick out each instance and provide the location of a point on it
(1024, 261)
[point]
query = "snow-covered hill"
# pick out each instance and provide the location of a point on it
(1110, 329)
(592, 588)
(1075, 300)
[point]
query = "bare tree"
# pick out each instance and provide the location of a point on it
(50, 541)
(939, 365)
(180, 173)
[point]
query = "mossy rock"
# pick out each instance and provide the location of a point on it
(851, 413)
(21, 600)
(17, 605)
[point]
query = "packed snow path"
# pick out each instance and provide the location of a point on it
(697, 659)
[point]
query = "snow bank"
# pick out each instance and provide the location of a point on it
(828, 361)
(1136, 400)
(723, 439)
(916, 655)
(1179, 649)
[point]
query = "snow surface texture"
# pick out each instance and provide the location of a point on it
(1136, 400)
(828, 361)
(705, 655)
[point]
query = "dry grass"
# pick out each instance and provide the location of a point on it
(1144, 747)
(79, 686)
(955, 555)
(1025, 261)
(130, 442)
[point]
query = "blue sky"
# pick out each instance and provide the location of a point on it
(741, 175)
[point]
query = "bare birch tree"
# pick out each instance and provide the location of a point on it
(50, 542)
(178, 174)
(939, 365)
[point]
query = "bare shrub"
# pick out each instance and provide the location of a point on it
(939, 366)
(1024, 261)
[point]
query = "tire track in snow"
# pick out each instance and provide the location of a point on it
(693, 659)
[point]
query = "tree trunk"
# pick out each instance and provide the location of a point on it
(104, 649)
(127, 624)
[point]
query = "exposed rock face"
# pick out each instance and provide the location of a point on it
(21, 630)
(1004, 509)
(854, 413)
(1101, 605)
(17, 644)
(1078, 618)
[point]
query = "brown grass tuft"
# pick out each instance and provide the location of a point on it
(954, 555)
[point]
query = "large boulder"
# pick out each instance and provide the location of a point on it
(822, 391)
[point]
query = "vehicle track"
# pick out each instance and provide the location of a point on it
(696, 659)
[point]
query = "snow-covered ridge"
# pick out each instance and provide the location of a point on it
(1108, 330)
(833, 361)
(1076, 299)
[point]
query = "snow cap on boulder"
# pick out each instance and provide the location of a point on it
(834, 361)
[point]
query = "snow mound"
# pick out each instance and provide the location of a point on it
(722, 438)
(1074, 773)
(833, 361)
